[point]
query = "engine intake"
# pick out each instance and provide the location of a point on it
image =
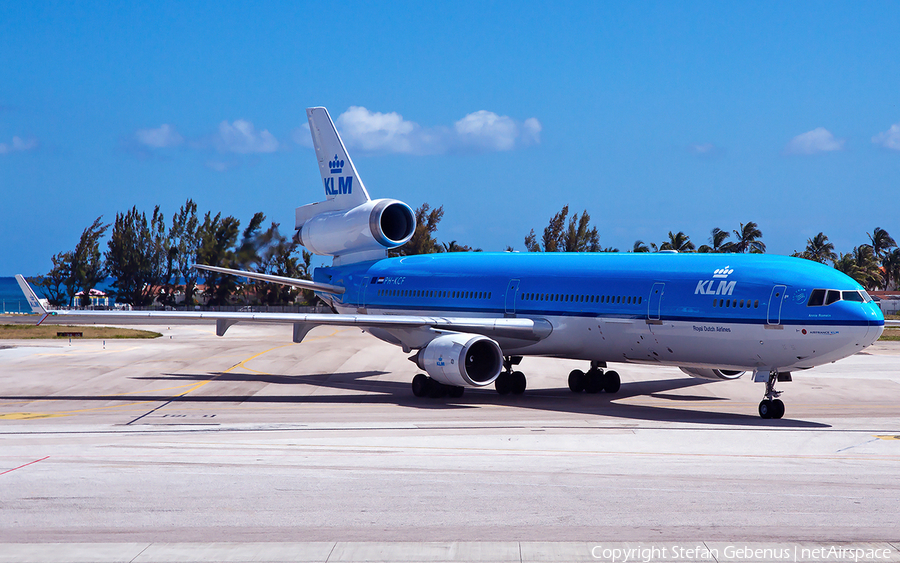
(714, 374)
(375, 225)
(464, 360)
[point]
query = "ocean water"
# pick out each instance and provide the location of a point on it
(13, 301)
(11, 298)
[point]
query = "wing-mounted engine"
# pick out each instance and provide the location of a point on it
(714, 374)
(371, 228)
(463, 360)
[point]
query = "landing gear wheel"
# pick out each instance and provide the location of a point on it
(456, 392)
(777, 408)
(595, 381)
(437, 390)
(518, 382)
(576, 381)
(771, 406)
(504, 383)
(612, 383)
(420, 385)
(766, 408)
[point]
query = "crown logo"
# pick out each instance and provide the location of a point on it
(336, 165)
(723, 272)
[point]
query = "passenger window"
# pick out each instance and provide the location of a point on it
(833, 296)
(817, 298)
(852, 296)
(756, 304)
(715, 301)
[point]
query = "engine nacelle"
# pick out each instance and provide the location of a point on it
(375, 225)
(465, 360)
(714, 374)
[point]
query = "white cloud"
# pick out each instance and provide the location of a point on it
(18, 145)
(242, 137)
(481, 131)
(163, 136)
(889, 139)
(815, 141)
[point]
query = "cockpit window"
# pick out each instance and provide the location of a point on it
(820, 297)
(817, 298)
(852, 296)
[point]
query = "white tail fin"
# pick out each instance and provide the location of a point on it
(339, 175)
(30, 296)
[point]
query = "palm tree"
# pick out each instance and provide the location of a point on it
(819, 249)
(639, 246)
(891, 265)
(881, 242)
(862, 266)
(747, 239)
(717, 238)
(678, 241)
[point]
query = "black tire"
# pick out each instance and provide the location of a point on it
(576, 381)
(766, 408)
(504, 384)
(436, 389)
(420, 385)
(519, 382)
(595, 381)
(456, 392)
(611, 383)
(777, 408)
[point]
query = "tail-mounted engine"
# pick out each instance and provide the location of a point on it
(463, 360)
(714, 374)
(375, 225)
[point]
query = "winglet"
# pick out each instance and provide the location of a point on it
(31, 297)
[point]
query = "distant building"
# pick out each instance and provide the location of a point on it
(98, 299)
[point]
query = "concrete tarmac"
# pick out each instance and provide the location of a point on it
(251, 440)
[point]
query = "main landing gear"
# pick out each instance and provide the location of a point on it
(510, 381)
(771, 406)
(595, 380)
(424, 386)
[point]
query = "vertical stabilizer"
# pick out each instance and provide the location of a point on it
(339, 176)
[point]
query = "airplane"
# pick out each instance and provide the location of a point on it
(470, 318)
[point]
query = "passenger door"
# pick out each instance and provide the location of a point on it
(776, 299)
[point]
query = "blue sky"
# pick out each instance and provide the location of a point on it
(651, 116)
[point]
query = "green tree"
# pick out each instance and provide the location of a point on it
(717, 240)
(678, 241)
(862, 266)
(748, 239)
(559, 236)
(640, 246)
(423, 241)
(87, 262)
(139, 258)
(218, 237)
(891, 265)
(54, 285)
(882, 242)
(818, 249)
(185, 245)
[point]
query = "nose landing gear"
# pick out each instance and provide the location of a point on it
(771, 406)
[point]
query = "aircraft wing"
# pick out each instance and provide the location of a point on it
(519, 328)
(895, 324)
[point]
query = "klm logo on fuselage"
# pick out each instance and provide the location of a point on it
(709, 287)
(345, 185)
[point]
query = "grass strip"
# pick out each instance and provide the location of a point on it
(48, 332)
